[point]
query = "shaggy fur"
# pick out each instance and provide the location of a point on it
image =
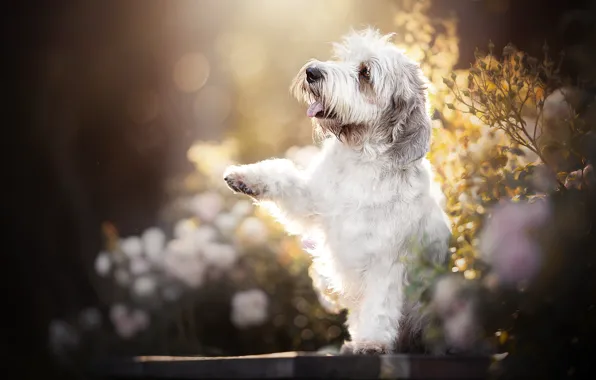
(368, 199)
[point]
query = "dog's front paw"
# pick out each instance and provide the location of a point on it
(237, 180)
(364, 348)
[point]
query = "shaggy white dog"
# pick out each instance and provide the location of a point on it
(368, 199)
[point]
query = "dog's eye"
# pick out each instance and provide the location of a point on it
(364, 72)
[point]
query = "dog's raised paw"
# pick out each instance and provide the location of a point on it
(238, 183)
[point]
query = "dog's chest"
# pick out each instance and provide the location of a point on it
(355, 200)
(342, 181)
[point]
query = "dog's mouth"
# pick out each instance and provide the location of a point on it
(317, 110)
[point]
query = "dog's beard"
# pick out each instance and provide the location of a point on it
(326, 121)
(348, 133)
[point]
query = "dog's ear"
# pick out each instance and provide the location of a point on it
(408, 118)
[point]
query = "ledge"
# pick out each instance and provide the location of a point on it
(290, 365)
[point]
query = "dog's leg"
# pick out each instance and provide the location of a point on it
(276, 180)
(374, 323)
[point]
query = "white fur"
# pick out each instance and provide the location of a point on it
(366, 210)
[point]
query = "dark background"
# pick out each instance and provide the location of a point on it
(70, 164)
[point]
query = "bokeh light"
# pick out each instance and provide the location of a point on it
(191, 72)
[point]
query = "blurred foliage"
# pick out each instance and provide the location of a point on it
(526, 132)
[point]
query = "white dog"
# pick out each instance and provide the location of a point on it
(368, 199)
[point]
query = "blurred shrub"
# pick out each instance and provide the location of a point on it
(521, 198)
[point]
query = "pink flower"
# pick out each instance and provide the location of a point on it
(456, 311)
(128, 322)
(581, 178)
(506, 242)
(139, 265)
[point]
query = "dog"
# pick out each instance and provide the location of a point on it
(368, 199)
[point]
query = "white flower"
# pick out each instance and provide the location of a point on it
(253, 230)
(249, 308)
(90, 318)
(242, 208)
(153, 242)
(222, 256)
(103, 264)
(203, 235)
(226, 223)
(184, 264)
(183, 228)
(131, 246)
(184, 247)
(207, 205)
(144, 286)
(62, 336)
(139, 265)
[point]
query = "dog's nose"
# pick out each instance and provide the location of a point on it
(313, 74)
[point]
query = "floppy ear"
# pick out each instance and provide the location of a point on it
(409, 121)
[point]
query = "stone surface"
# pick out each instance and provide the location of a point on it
(295, 365)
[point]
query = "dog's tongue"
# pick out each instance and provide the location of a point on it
(314, 109)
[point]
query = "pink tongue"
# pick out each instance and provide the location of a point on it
(314, 109)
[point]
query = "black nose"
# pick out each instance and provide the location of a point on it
(313, 74)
